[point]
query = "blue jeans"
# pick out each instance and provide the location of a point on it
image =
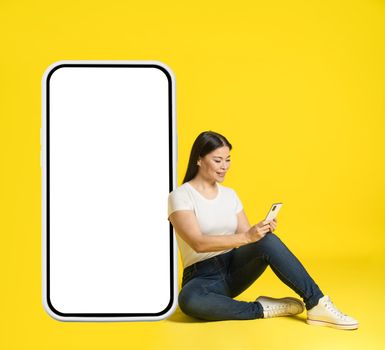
(209, 286)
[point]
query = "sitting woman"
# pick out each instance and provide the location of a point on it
(222, 255)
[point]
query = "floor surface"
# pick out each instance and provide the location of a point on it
(355, 285)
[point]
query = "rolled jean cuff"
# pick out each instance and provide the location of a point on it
(313, 301)
(259, 312)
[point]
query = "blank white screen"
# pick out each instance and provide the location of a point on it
(108, 187)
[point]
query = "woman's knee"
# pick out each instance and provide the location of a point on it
(269, 238)
(271, 242)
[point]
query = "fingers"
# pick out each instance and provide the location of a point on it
(266, 226)
(265, 222)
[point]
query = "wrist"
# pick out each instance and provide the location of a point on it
(248, 238)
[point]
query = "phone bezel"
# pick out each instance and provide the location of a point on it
(44, 163)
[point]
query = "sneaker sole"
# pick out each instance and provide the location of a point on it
(331, 324)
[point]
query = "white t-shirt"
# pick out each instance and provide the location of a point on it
(216, 216)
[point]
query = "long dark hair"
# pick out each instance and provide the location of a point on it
(206, 142)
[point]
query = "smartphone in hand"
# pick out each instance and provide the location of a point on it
(273, 211)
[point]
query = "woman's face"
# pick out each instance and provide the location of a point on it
(213, 166)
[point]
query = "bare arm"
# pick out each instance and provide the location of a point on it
(186, 225)
(243, 222)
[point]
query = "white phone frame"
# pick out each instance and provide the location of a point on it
(172, 127)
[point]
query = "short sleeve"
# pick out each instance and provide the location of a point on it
(179, 200)
(238, 203)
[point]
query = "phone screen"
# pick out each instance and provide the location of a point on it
(108, 165)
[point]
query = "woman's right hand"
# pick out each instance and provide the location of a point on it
(258, 231)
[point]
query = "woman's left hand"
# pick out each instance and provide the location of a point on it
(273, 224)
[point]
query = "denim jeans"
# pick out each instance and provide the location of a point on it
(209, 286)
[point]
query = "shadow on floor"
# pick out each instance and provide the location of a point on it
(180, 317)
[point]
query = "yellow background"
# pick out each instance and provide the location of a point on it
(298, 89)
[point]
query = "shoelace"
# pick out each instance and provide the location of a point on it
(276, 310)
(330, 306)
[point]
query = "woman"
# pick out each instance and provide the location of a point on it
(222, 255)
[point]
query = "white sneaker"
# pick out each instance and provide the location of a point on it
(326, 314)
(273, 307)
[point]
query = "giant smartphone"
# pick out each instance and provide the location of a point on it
(108, 157)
